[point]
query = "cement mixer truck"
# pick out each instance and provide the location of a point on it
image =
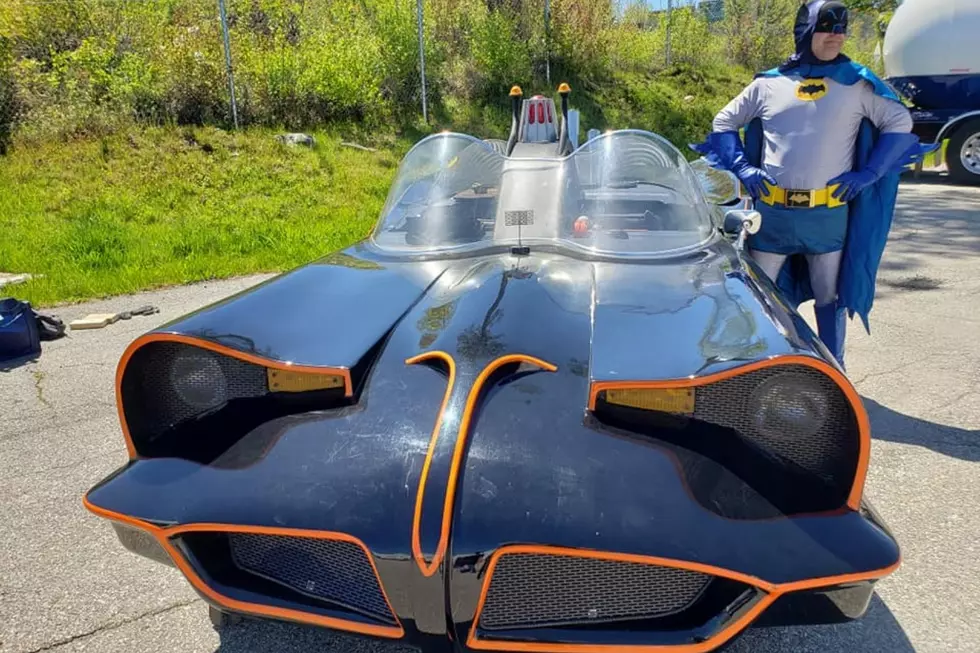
(932, 57)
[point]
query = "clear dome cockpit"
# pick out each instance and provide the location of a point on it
(628, 193)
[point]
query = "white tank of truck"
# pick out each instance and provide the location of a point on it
(933, 38)
(932, 57)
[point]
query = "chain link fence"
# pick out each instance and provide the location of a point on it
(88, 66)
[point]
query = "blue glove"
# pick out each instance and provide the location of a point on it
(892, 152)
(754, 179)
(852, 183)
(725, 150)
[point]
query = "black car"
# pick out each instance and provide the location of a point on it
(548, 405)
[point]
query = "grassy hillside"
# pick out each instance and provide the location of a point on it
(149, 206)
(71, 68)
(119, 169)
(164, 206)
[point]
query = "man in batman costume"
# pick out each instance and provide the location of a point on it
(825, 143)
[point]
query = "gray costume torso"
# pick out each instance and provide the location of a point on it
(810, 141)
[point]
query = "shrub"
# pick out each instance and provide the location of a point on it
(8, 97)
(88, 67)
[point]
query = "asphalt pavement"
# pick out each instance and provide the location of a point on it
(66, 584)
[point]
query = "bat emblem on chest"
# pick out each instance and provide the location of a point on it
(811, 90)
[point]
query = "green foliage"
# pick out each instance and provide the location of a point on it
(759, 33)
(498, 59)
(873, 6)
(72, 68)
(119, 171)
(678, 103)
(163, 205)
(336, 74)
(580, 39)
(8, 99)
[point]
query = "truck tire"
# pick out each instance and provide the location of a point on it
(963, 154)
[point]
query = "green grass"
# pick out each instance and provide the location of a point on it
(156, 207)
(152, 206)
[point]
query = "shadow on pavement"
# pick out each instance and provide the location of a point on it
(888, 425)
(933, 177)
(252, 636)
(877, 632)
(947, 226)
(9, 365)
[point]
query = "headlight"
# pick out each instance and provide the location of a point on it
(198, 379)
(788, 405)
(790, 430)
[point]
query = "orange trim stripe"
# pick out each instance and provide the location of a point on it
(462, 434)
(220, 349)
(163, 535)
(864, 423)
(428, 570)
(773, 592)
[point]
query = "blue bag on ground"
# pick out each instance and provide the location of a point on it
(19, 335)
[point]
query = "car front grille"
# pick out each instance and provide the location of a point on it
(335, 571)
(529, 590)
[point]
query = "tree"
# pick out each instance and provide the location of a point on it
(880, 10)
(759, 32)
(872, 6)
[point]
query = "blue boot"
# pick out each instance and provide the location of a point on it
(832, 328)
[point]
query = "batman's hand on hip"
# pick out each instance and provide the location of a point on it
(852, 183)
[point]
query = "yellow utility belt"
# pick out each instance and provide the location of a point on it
(802, 199)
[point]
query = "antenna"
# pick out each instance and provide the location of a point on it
(515, 117)
(519, 219)
(564, 145)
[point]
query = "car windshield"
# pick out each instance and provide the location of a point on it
(623, 193)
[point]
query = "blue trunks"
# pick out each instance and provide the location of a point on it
(819, 230)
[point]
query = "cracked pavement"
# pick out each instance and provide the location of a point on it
(67, 585)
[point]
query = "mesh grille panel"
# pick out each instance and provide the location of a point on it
(170, 382)
(329, 570)
(765, 406)
(534, 590)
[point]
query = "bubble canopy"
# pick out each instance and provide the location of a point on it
(627, 193)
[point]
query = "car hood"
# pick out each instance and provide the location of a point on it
(469, 427)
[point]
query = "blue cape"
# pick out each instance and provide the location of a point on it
(847, 73)
(870, 213)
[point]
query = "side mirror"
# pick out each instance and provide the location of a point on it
(720, 186)
(741, 223)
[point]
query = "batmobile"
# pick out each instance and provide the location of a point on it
(549, 404)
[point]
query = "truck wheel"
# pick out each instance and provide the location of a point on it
(963, 154)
